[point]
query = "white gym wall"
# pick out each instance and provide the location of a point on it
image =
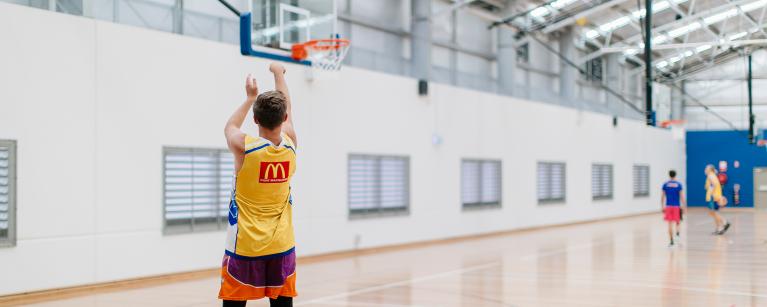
(92, 104)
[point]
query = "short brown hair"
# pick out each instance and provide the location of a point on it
(269, 109)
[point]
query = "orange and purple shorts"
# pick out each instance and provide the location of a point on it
(252, 278)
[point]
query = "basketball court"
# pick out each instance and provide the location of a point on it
(612, 263)
(387, 153)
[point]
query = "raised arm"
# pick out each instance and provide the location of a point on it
(279, 83)
(235, 138)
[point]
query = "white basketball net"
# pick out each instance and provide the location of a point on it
(327, 60)
(678, 131)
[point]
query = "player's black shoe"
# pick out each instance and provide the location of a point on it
(724, 229)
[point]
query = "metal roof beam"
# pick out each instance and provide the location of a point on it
(588, 12)
(749, 19)
(687, 20)
(734, 43)
(724, 59)
(631, 42)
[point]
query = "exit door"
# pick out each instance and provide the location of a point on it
(760, 187)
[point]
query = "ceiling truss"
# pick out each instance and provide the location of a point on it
(689, 34)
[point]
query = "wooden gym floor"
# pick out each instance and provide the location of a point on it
(619, 262)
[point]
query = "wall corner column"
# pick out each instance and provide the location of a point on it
(568, 74)
(421, 39)
(507, 58)
(612, 78)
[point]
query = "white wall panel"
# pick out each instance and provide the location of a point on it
(47, 103)
(388, 12)
(473, 33)
(92, 116)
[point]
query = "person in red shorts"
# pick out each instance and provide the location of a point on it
(671, 199)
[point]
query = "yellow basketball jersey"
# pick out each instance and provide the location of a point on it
(713, 188)
(260, 212)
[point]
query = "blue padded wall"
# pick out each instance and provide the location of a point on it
(710, 147)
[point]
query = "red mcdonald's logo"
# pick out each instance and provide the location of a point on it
(274, 172)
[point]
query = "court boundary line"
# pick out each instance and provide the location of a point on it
(29, 297)
(346, 294)
(460, 238)
(104, 287)
(397, 283)
(368, 304)
(410, 281)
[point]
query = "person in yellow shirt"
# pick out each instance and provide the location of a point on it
(260, 259)
(715, 200)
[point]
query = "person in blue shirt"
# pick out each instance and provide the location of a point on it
(671, 200)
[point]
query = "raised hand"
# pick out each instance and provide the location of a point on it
(275, 68)
(251, 87)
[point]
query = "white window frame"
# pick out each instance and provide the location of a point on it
(193, 226)
(599, 167)
(522, 52)
(637, 185)
(589, 72)
(549, 199)
(378, 210)
(10, 239)
(281, 19)
(481, 183)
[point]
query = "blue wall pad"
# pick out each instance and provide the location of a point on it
(711, 147)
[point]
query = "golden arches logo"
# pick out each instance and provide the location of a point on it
(274, 172)
(274, 168)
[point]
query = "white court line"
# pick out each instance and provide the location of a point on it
(368, 304)
(398, 283)
(468, 269)
(435, 276)
(570, 280)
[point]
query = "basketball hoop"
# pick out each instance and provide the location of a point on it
(325, 54)
(671, 123)
(676, 126)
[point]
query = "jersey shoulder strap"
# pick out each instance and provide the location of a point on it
(254, 144)
(289, 144)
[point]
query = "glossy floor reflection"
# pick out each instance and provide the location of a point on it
(623, 262)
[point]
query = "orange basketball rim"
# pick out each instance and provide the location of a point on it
(326, 55)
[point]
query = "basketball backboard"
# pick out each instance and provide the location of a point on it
(281, 23)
